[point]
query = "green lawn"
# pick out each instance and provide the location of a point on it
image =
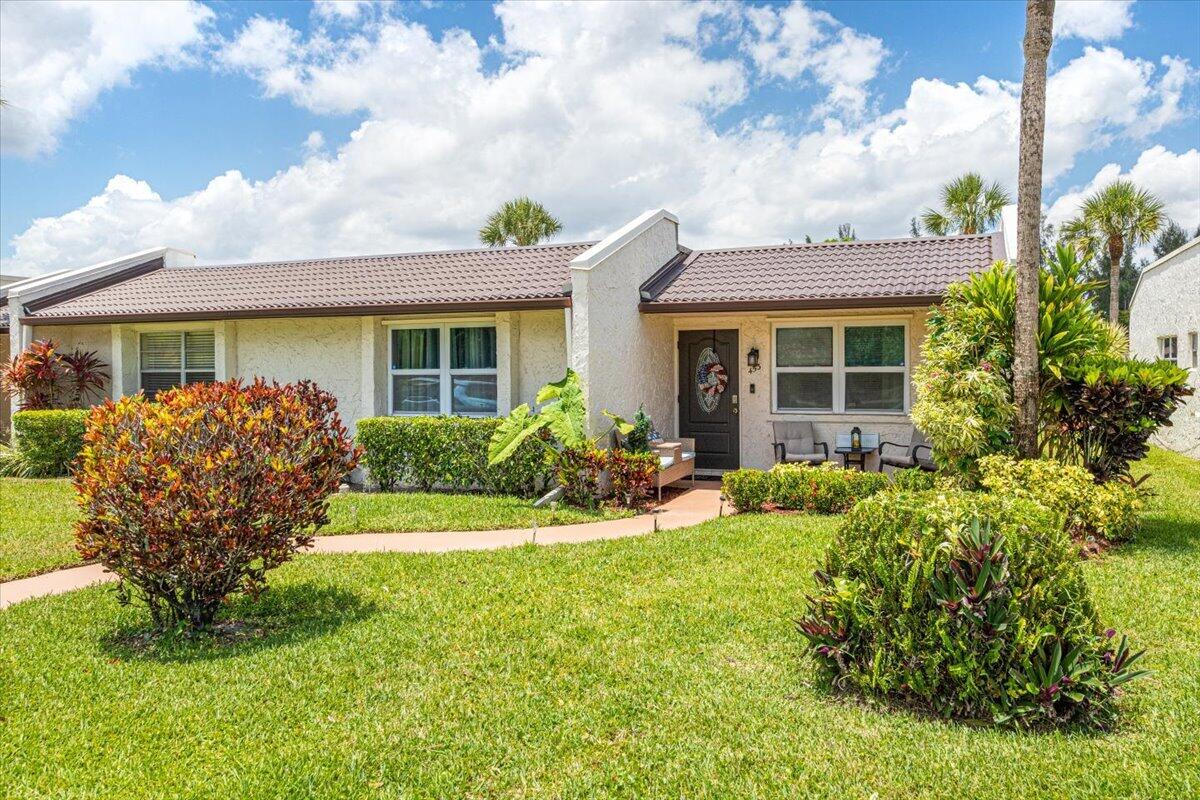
(36, 518)
(661, 666)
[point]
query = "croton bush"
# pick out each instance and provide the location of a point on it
(966, 605)
(1088, 510)
(198, 494)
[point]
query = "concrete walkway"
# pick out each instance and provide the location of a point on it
(690, 508)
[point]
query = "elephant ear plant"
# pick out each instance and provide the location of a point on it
(562, 411)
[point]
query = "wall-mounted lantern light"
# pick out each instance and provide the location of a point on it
(752, 359)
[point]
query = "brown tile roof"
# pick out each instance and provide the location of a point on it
(481, 279)
(834, 274)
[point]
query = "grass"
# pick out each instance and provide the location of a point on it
(36, 518)
(661, 666)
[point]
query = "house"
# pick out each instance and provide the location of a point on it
(1164, 322)
(715, 344)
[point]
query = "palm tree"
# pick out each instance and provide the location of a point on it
(1116, 217)
(968, 206)
(522, 222)
(1039, 36)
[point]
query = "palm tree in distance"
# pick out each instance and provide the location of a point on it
(968, 206)
(522, 222)
(1117, 217)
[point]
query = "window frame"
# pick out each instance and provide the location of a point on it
(1194, 347)
(183, 370)
(1174, 347)
(839, 369)
(444, 373)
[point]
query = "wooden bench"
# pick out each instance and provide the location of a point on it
(676, 461)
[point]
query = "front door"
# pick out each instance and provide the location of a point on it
(708, 396)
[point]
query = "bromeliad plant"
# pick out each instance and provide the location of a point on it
(198, 494)
(562, 411)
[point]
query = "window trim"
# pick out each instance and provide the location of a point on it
(183, 366)
(839, 369)
(1162, 347)
(444, 373)
(1194, 348)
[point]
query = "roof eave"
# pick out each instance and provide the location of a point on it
(481, 306)
(794, 304)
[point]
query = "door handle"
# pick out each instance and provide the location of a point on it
(734, 404)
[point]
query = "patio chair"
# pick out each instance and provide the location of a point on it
(795, 443)
(676, 460)
(918, 452)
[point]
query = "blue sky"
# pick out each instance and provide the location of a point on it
(212, 94)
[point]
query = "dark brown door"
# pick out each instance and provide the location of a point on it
(708, 396)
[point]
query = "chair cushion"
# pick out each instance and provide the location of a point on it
(665, 461)
(903, 461)
(689, 455)
(926, 464)
(811, 458)
(798, 446)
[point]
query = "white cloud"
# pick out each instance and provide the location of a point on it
(797, 40)
(1097, 20)
(58, 57)
(1173, 177)
(600, 112)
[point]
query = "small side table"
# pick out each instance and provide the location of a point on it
(856, 456)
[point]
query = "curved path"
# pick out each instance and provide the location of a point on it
(690, 508)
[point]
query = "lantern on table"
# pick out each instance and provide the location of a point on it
(856, 438)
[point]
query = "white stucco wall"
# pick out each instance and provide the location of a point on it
(1167, 303)
(541, 352)
(96, 338)
(624, 357)
(327, 350)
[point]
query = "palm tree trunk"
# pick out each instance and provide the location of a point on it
(1039, 21)
(1116, 251)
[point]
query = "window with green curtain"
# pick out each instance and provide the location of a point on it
(875, 346)
(473, 348)
(416, 348)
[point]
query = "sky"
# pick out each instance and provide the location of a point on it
(273, 130)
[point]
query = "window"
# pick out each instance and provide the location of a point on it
(174, 358)
(1194, 346)
(443, 369)
(841, 367)
(1168, 347)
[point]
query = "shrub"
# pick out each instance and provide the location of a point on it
(913, 480)
(827, 489)
(46, 442)
(1088, 510)
(196, 495)
(639, 437)
(43, 378)
(577, 470)
(632, 475)
(1110, 407)
(748, 489)
(966, 605)
(450, 452)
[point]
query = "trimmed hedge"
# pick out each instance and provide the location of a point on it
(827, 489)
(913, 480)
(47, 442)
(450, 453)
(964, 604)
(1087, 509)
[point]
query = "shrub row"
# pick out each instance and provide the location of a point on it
(827, 489)
(46, 443)
(963, 604)
(1088, 510)
(448, 452)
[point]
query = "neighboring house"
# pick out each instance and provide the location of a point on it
(1164, 322)
(715, 344)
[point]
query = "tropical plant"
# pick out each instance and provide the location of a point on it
(1108, 408)
(197, 494)
(643, 432)
(1039, 36)
(943, 600)
(1118, 217)
(969, 205)
(631, 474)
(562, 412)
(522, 222)
(41, 377)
